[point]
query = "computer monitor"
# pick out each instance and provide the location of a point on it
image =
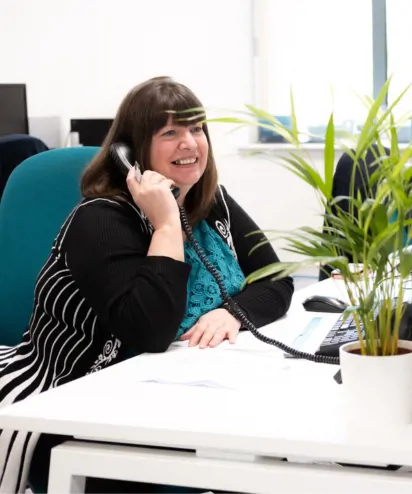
(92, 132)
(13, 109)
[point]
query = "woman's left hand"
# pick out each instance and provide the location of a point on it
(212, 328)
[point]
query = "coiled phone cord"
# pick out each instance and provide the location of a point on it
(122, 156)
(230, 305)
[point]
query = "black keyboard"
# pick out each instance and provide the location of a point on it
(341, 333)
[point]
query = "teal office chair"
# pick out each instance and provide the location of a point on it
(39, 195)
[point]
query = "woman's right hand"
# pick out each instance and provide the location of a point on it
(154, 197)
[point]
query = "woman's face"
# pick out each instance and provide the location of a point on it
(180, 153)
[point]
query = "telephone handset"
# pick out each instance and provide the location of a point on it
(122, 157)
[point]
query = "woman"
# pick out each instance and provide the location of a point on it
(121, 278)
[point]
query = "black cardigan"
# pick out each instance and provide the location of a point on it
(99, 298)
(143, 298)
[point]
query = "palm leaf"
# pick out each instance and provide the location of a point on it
(329, 160)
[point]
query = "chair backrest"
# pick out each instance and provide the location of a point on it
(14, 149)
(342, 179)
(39, 195)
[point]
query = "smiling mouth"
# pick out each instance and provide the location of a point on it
(188, 161)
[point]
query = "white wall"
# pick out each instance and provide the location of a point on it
(79, 58)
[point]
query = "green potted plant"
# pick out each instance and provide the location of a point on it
(372, 232)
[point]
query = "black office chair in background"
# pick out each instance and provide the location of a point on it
(14, 149)
(342, 187)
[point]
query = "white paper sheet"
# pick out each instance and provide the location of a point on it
(214, 368)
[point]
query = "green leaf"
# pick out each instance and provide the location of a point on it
(367, 205)
(304, 170)
(231, 120)
(348, 311)
(263, 115)
(299, 172)
(276, 125)
(368, 303)
(365, 132)
(382, 244)
(394, 153)
(315, 178)
(404, 158)
(405, 264)
(329, 160)
(294, 125)
(283, 269)
(379, 124)
(345, 223)
(379, 220)
(375, 178)
(338, 199)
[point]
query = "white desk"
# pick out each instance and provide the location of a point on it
(295, 409)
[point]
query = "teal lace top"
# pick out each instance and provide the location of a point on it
(203, 293)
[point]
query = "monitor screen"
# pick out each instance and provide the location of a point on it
(13, 109)
(93, 131)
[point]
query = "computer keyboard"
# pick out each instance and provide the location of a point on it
(341, 333)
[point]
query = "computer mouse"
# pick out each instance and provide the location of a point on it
(323, 303)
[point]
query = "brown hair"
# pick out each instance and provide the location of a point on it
(142, 113)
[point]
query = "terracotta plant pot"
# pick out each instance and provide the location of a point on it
(377, 389)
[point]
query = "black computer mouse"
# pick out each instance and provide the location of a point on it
(323, 303)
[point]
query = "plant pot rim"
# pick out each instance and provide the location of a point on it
(355, 345)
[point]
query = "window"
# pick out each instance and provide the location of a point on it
(398, 17)
(324, 50)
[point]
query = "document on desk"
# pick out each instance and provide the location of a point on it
(213, 368)
(285, 330)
